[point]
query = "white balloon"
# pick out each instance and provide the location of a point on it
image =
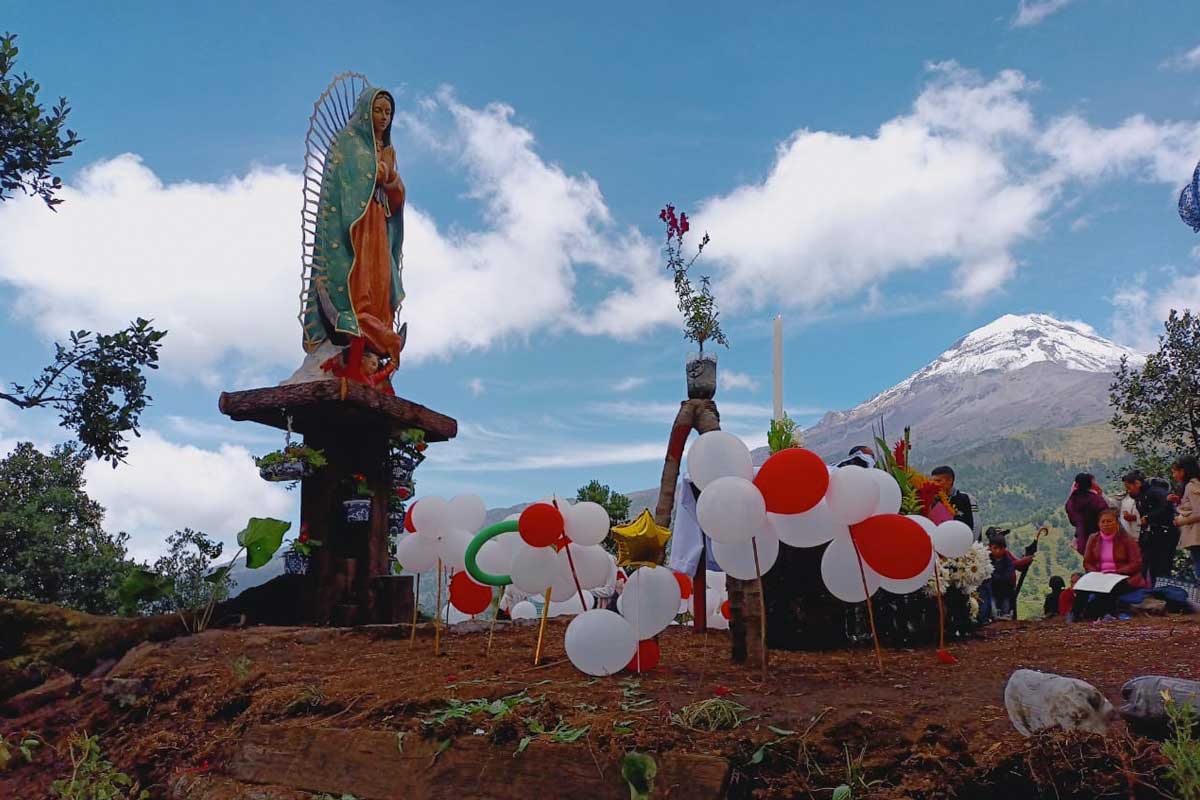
(840, 571)
(718, 622)
(431, 517)
(452, 549)
(563, 585)
(592, 565)
(810, 529)
(572, 605)
(853, 494)
(890, 496)
(650, 600)
(587, 523)
(495, 556)
(416, 553)
(467, 512)
(909, 585)
(599, 642)
(524, 610)
(718, 454)
(952, 538)
(737, 558)
(532, 568)
(924, 521)
(731, 509)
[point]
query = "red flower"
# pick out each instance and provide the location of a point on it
(901, 454)
(303, 536)
(722, 691)
(683, 224)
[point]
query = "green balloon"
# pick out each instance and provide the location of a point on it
(481, 538)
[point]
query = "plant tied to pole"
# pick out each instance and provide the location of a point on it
(701, 319)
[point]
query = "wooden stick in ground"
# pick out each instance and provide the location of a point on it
(412, 636)
(578, 588)
(492, 630)
(937, 585)
(870, 608)
(762, 607)
(537, 654)
(437, 615)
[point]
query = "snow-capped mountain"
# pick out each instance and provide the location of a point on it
(1019, 373)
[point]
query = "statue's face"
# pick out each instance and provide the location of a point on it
(381, 114)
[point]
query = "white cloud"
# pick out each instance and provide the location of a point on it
(1184, 61)
(165, 486)
(1138, 147)
(1196, 252)
(1139, 312)
(1032, 12)
(475, 385)
(729, 380)
(629, 384)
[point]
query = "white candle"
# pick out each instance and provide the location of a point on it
(778, 367)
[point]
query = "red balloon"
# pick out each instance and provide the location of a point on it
(647, 654)
(468, 596)
(541, 525)
(685, 585)
(893, 545)
(725, 609)
(408, 523)
(792, 481)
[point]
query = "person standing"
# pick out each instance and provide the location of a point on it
(1083, 507)
(1186, 472)
(963, 508)
(1157, 518)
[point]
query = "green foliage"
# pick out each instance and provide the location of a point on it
(98, 387)
(293, 452)
(261, 539)
(188, 567)
(782, 434)
(638, 770)
(1157, 408)
(701, 319)
(1182, 750)
(241, 668)
(24, 745)
(53, 548)
(465, 709)
(92, 776)
(32, 142)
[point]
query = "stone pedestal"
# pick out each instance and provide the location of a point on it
(353, 425)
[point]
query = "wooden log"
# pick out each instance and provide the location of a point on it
(370, 765)
(319, 406)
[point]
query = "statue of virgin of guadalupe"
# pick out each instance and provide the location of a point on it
(354, 239)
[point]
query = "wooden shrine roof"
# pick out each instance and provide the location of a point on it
(320, 405)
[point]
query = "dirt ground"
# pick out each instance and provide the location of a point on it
(918, 729)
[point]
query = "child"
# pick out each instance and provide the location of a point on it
(1066, 600)
(1050, 607)
(1001, 589)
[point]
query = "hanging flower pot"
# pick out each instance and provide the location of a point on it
(285, 471)
(404, 490)
(294, 462)
(358, 509)
(395, 523)
(295, 563)
(401, 473)
(701, 376)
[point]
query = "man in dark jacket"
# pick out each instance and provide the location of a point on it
(1159, 536)
(944, 477)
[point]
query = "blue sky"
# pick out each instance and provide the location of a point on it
(886, 177)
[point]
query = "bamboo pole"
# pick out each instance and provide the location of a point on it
(870, 607)
(412, 636)
(537, 654)
(437, 615)
(762, 607)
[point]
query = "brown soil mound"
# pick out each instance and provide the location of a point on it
(920, 729)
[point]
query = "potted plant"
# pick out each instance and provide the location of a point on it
(295, 560)
(701, 319)
(408, 452)
(292, 463)
(396, 513)
(358, 507)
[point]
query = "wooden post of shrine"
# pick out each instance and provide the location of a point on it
(349, 581)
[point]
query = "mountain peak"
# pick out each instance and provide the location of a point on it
(1013, 342)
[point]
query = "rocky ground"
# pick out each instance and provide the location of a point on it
(297, 713)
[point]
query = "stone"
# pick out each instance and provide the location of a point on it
(1039, 700)
(124, 692)
(1151, 606)
(1144, 708)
